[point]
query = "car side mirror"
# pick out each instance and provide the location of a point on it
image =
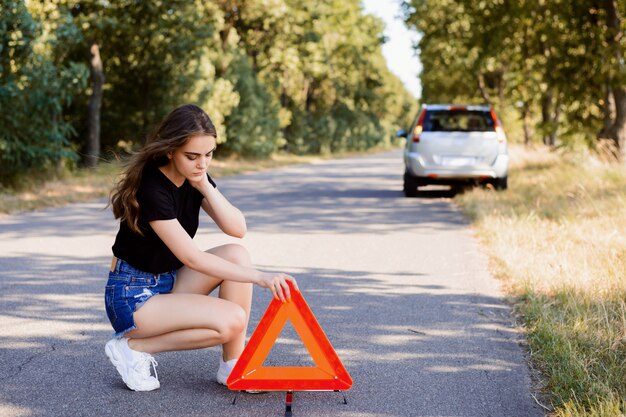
(401, 133)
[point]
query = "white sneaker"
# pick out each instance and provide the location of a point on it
(223, 372)
(133, 366)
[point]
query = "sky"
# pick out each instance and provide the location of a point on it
(398, 50)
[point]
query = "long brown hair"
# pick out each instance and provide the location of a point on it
(174, 131)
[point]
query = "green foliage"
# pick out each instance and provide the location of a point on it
(324, 66)
(584, 371)
(146, 49)
(552, 236)
(252, 127)
(547, 61)
(272, 74)
(33, 91)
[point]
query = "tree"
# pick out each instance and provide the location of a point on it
(555, 63)
(147, 50)
(95, 103)
(252, 128)
(322, 64)
(36, 84)
(273, 74)
(617, 77)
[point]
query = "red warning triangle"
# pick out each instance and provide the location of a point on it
(249, 373)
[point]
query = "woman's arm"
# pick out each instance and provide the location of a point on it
(183, 247)
(227, 217)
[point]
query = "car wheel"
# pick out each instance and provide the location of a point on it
(410, 185)
(501, 184)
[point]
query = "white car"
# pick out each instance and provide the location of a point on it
(455, 145)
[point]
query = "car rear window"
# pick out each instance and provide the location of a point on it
(458, 120)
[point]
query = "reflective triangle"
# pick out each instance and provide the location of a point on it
(249, 373)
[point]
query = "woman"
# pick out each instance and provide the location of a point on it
(158, 203)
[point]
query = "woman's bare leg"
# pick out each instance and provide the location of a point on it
(240, 293)
(169, 322)
(188, 319)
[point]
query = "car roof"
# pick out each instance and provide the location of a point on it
(456, 106)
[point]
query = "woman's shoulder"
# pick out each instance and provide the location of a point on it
(152, 174)
(152, 179)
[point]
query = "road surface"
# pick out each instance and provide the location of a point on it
(400, 286)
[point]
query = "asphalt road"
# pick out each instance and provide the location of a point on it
(400, 286)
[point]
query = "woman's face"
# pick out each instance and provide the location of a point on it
(191, 160)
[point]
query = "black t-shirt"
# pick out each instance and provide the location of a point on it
(159, 199)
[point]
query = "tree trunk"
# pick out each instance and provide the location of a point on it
(501, 95)
(550, 115)
(58, 163)
(528, 133)
(546, 114)
(527, 106)
(220, 67)
(95, 102)
(617, 131)
(556, 115)
(483, 88)
(609, 112)
(308, 98)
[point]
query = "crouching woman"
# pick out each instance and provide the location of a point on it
(157, 295)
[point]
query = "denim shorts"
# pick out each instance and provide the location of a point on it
(127, 289)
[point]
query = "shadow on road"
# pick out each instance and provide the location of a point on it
(53, 362)
(413, 344)
(346, 196)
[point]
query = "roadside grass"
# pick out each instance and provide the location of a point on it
(79, 186)
(557, 238)
(85, 184)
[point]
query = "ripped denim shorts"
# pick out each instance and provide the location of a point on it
(127, 289)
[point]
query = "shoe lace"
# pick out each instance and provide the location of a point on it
(143, 366)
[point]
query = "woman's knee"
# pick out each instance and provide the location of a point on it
(234, 253)
(239, 320)
(234, 323)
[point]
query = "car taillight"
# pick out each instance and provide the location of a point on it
(500, 134)
(498, 127)
(417, 131)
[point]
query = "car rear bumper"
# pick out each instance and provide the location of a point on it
(415, 166)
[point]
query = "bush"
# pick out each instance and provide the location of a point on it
(33, 134)
(253, 127)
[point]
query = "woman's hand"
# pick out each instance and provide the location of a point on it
(202, 184)
(277, 284)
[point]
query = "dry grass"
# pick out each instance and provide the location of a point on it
(89, 184)
(557, 238)
(83, 185)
